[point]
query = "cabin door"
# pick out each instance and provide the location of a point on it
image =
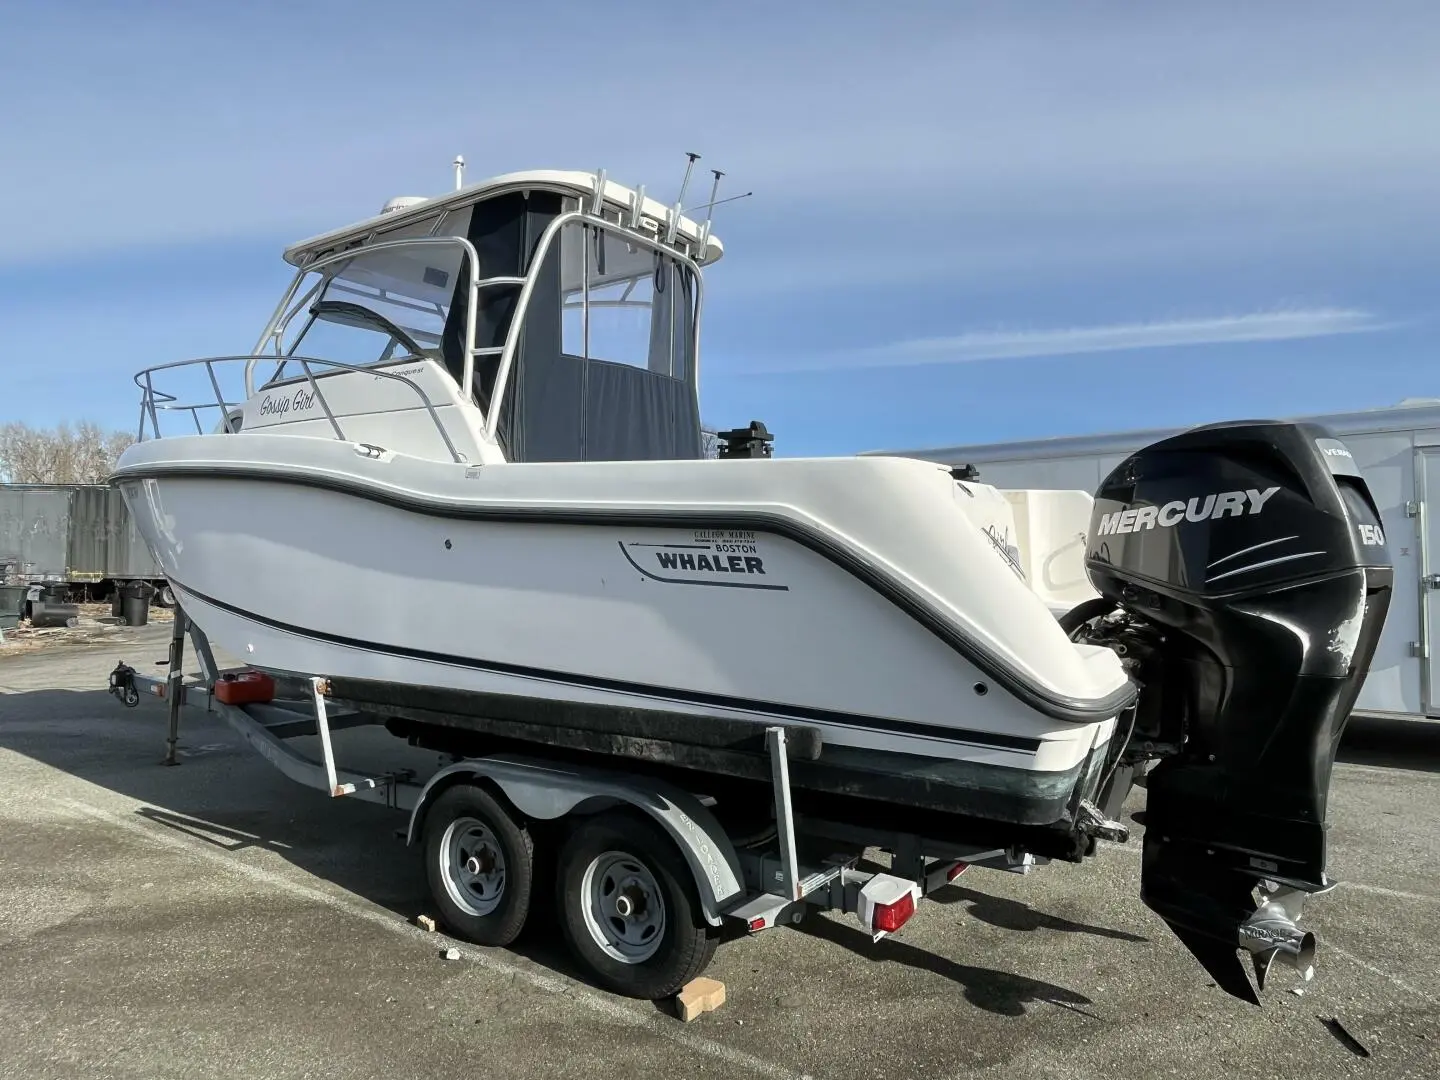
(1427, 467)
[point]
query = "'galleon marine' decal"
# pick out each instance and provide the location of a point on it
(1197, 508)
(731, 558)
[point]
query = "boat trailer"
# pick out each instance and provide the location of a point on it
(642, 915)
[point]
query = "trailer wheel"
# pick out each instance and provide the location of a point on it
(480, 866)
(629, 909)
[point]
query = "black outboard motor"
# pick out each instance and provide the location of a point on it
(1252, 578)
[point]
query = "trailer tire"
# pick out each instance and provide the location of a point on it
(479, 862)
(628, 907)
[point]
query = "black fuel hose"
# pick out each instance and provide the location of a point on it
(1082, 613)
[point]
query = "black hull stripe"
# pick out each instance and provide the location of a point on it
(984, 739)
(1056, 707)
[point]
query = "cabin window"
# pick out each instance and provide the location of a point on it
(603, 371)
(618, 302)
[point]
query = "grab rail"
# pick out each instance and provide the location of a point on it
(153, 401)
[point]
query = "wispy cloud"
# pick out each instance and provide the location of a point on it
(1113, 337)
(1026, 118)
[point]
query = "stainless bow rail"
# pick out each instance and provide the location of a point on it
(154, 401)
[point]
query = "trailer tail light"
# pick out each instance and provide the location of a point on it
(956, 870)
(890, 917)
(886, 904)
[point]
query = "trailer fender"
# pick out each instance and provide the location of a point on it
(544, 791)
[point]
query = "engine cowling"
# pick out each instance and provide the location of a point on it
(1251, 569)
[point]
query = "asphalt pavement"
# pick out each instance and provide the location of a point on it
(216, 919)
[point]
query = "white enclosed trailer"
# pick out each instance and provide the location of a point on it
(1397, 449)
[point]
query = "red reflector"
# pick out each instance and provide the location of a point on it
(890, 917)
(956, 871)
(757, 924)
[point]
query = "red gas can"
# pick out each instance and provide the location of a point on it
(244, 688)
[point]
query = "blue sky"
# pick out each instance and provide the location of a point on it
(970, 222)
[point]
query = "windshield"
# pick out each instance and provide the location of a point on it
(378, 306)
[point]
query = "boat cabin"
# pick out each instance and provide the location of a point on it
(537, 316)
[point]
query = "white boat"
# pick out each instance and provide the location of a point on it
(466, 481)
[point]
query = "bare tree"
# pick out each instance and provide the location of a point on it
(85, 454)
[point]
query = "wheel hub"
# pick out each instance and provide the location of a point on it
(631, 902)
(481, 862)
(473, 866)
(624, 907)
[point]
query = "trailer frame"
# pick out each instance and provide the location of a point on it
(741, 886)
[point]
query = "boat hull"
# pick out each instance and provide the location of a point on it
(300, 578)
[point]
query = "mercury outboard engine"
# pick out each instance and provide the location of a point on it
(1246, 579)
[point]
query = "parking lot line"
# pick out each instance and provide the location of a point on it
(1134, 849)
(1380, 890)
(1394, 979)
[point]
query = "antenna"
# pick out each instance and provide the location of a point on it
(722, 202)
(679, 199)
(638, 208)
(459, 164)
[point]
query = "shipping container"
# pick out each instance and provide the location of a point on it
(74, 534)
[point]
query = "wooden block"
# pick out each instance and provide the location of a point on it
(425, 922)
(699, 996)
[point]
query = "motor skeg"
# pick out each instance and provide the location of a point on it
(1252, 557)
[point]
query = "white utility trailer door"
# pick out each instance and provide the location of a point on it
(1427, 469)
